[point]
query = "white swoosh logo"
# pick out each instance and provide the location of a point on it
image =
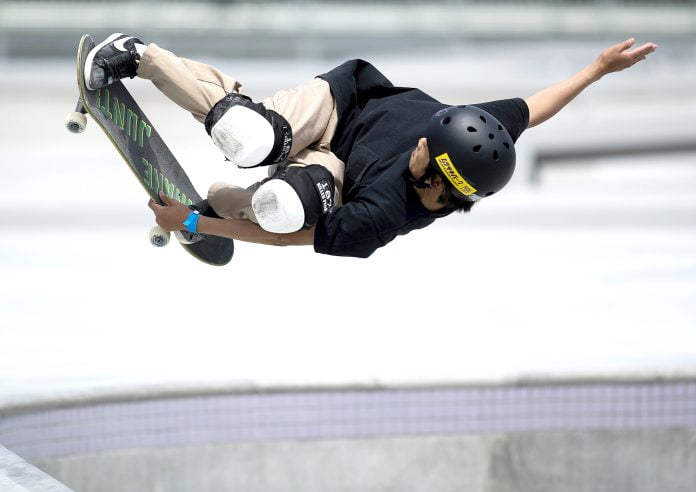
(119, 43)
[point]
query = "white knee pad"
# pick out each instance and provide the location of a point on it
(243, 136)
(293, 199)
(278, 207)
(247, 133)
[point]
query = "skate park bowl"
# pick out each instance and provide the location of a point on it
(106, 386)
(635, 434)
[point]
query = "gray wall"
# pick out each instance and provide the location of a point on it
(331, 29)
(636, 461)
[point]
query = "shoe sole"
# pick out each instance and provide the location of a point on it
(91, 54)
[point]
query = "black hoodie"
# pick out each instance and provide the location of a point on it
(378, 127)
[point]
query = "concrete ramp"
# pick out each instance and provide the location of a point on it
(635, 434)
(16, 475)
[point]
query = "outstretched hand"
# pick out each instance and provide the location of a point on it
(621, 56)
(171, 215)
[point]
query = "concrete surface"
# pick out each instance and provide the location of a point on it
(16, 475)
(611, 461)
(612, 434)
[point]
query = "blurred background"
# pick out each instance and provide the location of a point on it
(567, 364)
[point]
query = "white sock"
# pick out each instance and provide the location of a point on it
(140, 48)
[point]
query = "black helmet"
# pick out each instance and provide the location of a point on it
(471, 149)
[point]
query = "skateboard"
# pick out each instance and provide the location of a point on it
(137, 141)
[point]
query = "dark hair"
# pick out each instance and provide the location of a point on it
(449, 200)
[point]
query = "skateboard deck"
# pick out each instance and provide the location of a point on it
(142, 148)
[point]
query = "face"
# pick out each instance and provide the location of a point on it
(420, 157)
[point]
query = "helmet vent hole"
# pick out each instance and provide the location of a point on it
(446, 121)
(476, 148)
(500, 127)
(495, 155)
(491, 136)
(482, 118)
(471, 129)
(507, 145)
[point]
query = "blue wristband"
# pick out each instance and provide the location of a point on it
(191, 222)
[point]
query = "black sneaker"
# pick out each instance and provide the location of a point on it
(186, 237)
(205, 209)
(113, 59)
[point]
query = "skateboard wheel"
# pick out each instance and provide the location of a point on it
(159, 237)
(76, 122)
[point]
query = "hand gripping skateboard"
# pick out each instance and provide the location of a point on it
(146, 154)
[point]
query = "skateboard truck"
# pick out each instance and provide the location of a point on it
(76, 122)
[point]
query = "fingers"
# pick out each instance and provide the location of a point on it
(639, 51)
(627, 58)
(165, 199)
(620, 56)
(639, 54)
(643, 50)
(166, 202)
(626, 44)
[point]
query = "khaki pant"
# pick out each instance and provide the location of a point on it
(309, 109)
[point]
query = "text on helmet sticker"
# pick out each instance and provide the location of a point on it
(445, 164)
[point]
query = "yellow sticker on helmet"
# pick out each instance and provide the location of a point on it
(445, 164)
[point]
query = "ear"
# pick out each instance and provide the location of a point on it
(436, 183)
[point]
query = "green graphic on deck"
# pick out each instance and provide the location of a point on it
(157, 182)
(138, 129)
(132, 119)
(144, 128)
(104, 105)
(119, 113)
(124, 118)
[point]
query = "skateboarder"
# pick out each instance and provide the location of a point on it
(353, 161)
